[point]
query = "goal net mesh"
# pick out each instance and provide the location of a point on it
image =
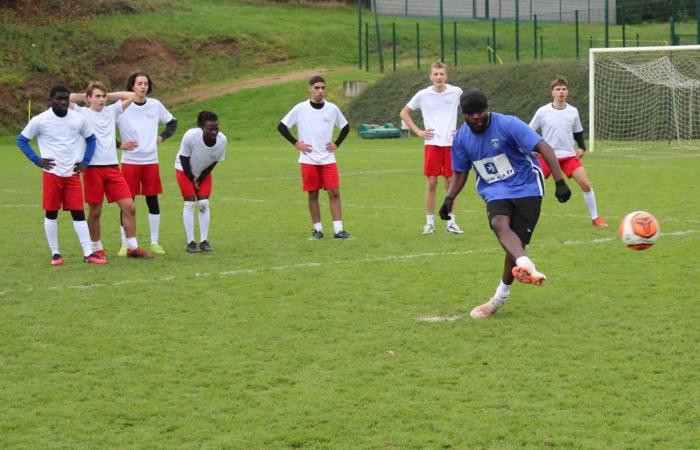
(644, 98)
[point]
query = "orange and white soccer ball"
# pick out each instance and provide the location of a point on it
(639, 230)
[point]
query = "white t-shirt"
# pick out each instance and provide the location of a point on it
(103, 123)
(201, 155)
(439, 110)
(315, 127)
(140, 123)
(558, 127)
(60, 138)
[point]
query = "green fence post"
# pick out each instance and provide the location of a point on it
(577, 35)
(697, 21)
(560, 11)
(590, 42)
(486, 9)
(493, 34)
(473, 9)
(418, 45)
(589, 11)
(380, 48)
(672, 31)
(637, 39)
(366, 46)
(607, 25)
(442, 34)
(454, 34)
(393, 43)
(488, 48)
(624, 36)
(534, 27)
(517, 30)
(359, 33)
(541, 47)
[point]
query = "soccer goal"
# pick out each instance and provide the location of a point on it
(644, 96)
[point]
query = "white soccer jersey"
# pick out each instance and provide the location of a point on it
(439, 110)
(201, 155)
(103, 124)
(558, 127)
(60, 138)
(140, 123)
(315, 127)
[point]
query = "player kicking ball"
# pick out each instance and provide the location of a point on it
(102, 177)
(509, 179)
(561, 127)
(200, 150)
(59, 132)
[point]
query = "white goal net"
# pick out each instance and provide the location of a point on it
(644, 96)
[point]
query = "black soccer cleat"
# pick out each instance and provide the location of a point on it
(205, 247)
(316, 235)
(192, 247)
(342, 234)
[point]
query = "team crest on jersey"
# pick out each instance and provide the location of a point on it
(496, 143)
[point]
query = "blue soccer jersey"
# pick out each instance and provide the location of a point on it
(501, 157)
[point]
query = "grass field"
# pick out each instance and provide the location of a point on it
(274, 341)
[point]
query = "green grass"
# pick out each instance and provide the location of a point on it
(274, 341)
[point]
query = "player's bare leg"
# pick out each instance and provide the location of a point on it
(315, 212)
(524, 269)
(334, 202)
(128, 216)
(581, 179)
(430, 188)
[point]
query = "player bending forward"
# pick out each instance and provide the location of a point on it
(59, 132)
(201, 149)
(510, 181)
(102, 177)
(560, 125)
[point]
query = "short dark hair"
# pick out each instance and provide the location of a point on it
(316, 79)
(558, 81)
(58, 88)
(132, 80)
(473, 100)
(204, 117)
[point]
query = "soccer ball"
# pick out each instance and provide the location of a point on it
(639, 230)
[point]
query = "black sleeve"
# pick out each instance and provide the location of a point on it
(170, 128)
(185, 161)
(206, 171)
(343, 134)
(284, 131)
(578, 137)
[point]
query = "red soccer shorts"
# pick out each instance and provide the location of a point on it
(437, 161)
(187, 186)
(315, 177)
(99, 182)
(568, 166)
(143, 179)
(64, 191)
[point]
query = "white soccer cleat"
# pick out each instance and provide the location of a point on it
(488, 309)
(528, 275)
(428, 229)
(453, 228)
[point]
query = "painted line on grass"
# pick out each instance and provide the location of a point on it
(385, 258)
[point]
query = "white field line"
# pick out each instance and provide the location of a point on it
(376, 259)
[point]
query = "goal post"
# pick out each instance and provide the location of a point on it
(641, 96)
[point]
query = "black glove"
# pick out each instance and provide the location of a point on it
(562, 193)
(79, 167)
(446, 208)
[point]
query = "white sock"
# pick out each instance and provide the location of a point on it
(51, 230)
(525, 261)
(589, 198)
(154, 223)
(452, 218)
(131, 243)
(81, 229)
(204, 219)
(430, 219)
(318, 226)
(123, 233)
(188, 220)
(502, 292)
(97, 246)
(337, 226)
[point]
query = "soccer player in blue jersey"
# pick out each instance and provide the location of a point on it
(509, 179)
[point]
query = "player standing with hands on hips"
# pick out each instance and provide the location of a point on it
(438, 104)
(201, 149)
(139, 123)
(561, 127)
(509, 179)
(315, 119)
(59, 132)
